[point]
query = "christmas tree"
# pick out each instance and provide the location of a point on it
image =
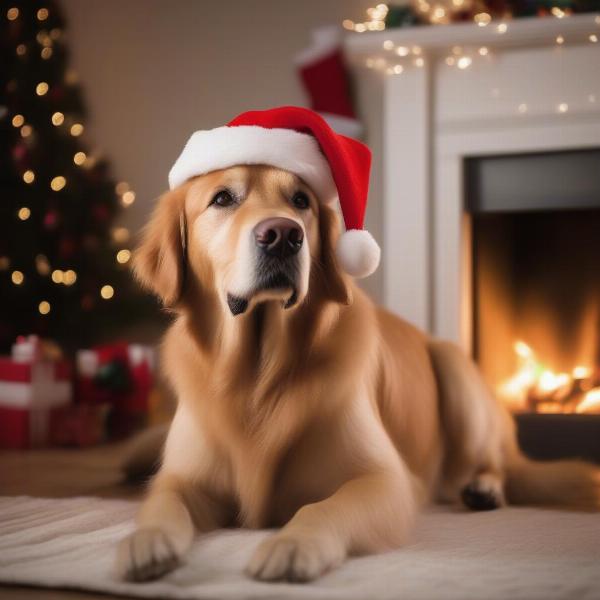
(63, 264)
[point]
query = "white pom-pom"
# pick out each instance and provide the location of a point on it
(358, 253)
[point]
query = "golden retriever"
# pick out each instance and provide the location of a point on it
(301, 404)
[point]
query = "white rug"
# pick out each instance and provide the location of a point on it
(515, 554)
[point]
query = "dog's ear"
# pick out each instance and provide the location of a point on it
(335, 282)
(158, 261)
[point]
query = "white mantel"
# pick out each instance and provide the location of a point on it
(527, 94)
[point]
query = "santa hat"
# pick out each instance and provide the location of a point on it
(300, 141)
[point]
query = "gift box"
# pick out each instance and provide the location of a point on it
(120, 376)
(33, 385)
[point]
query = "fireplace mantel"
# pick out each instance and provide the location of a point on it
(535, 87)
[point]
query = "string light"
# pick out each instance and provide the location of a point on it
(593, 38)
(58, 119)
(42, 14)
(76, 129)
(128, 198)
(57, 276)
(419, 62)
(24, 213)
(560, 40)
(107, 292)
(69, 277)
(450, 61)
(41, 88)
(464, 62)
(559, 13)
(21, 50)
(58, 183)
(42, 264)
(121, 187)
(522, 108)
(43, 38)
(375, 21)
(483, 51)
(46, 53)
(44, 307)
(18, 120)
(563, 107)
(388, 45)
(120, 234)
(402, 51)
(123, 256)
(55, 33)
(26, 131)
(502, 28)
(416, 50)
(482, 19)
(79, 158)
(29, 176)
(12, 13)
(4, 263)
(17, 277)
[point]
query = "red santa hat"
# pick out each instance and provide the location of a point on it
(300, 141)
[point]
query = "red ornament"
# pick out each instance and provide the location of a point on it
(67, 247)
(57, 93)
(51, 219)
(87, 302)
(20, 155)
(100, 212)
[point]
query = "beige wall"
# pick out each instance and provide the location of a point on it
(153, 71)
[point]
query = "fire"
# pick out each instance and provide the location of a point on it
(591, 402)
(535, 387)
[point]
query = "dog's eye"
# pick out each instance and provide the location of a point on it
(223, 199)
(300, 200)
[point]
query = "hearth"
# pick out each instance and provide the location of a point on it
(535, 243)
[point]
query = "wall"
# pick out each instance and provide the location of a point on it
(155, 70)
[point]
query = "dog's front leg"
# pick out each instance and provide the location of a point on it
(368, 514)
(165, 529)
(371, 511)
(179, 503)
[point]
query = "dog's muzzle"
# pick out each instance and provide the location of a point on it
(279, 237)
(278, 241)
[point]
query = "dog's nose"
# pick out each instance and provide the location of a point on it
(279, 236)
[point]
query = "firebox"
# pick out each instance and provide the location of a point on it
(535, 242)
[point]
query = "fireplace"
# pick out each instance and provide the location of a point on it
(535, 247)
(493, 162)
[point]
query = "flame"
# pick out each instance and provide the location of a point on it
(580, 372)
(590, 403)
(523, 350)
(536, 387)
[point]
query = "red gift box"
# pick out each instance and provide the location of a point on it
(32, 387)
(118, 375)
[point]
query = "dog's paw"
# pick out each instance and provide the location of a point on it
(483, 493)
(284, 556)
(144, 555)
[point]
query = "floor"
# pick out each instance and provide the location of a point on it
(60, 473)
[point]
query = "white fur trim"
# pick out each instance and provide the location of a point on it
(225, 147)
(358, 253)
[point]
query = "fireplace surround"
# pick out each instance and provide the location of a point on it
(518, 96)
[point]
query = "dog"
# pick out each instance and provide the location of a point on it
(301, 404)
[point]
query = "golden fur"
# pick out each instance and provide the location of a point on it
(334, 420)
